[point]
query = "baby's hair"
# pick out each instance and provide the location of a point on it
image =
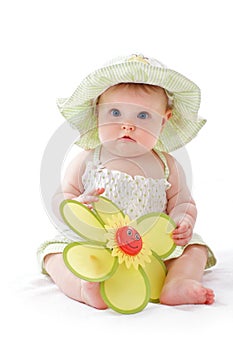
(146, 88)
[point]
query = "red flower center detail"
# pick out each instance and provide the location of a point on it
(129, 240)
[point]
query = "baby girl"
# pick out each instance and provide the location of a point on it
(130, 115)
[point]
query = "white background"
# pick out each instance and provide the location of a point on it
(47, 47)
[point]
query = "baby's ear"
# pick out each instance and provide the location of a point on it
(168, 114)
(166, 117)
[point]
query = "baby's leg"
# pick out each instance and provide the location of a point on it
(72, 286)
(183, 281)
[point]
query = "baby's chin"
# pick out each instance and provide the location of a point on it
(126, 148)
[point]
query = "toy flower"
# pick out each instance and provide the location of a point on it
(123, 255)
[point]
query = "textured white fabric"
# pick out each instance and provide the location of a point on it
(136, 196)
(38, 307)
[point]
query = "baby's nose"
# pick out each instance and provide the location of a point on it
(127, 127)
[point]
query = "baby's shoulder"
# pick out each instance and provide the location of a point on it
(175, 168)
(170, 160)
(79, 161)
(83, 156)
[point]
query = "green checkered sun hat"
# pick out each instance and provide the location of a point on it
(182, 127)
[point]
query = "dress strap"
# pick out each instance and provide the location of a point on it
(96, 155)
(164, 160)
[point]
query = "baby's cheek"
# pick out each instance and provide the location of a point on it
(106, 133)
(147, 139)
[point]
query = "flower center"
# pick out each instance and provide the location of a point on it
(129, 240)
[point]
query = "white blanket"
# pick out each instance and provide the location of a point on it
(40, 316)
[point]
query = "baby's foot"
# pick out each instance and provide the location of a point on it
(186, 292)
(90, 293)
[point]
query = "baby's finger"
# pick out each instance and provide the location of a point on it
(181, 229)
(97, 191)
(89, 199)
(178, 231)
(89, 206)
(181, 242)
(185, 235)
(100, 190)
(182, 239)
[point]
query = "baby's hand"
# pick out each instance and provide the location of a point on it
(90, 197)
(183, 233)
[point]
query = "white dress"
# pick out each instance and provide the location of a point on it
(136, 196)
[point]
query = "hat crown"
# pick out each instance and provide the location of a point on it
(135, 58)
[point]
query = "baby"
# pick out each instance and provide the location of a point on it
(130, 115)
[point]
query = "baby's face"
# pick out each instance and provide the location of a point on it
(131, 119)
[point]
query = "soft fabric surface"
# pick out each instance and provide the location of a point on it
(40, 316)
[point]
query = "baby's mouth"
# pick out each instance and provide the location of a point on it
(127, 138)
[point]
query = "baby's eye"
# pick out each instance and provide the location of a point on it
(115, 112)
(143, 115)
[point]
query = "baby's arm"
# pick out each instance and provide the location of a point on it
(181, 206)
(72, 187)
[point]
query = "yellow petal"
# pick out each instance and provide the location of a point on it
(156, 273)
(92, 263)
(156, 229)
(106, 209)
(83, 221)
(127, 291)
